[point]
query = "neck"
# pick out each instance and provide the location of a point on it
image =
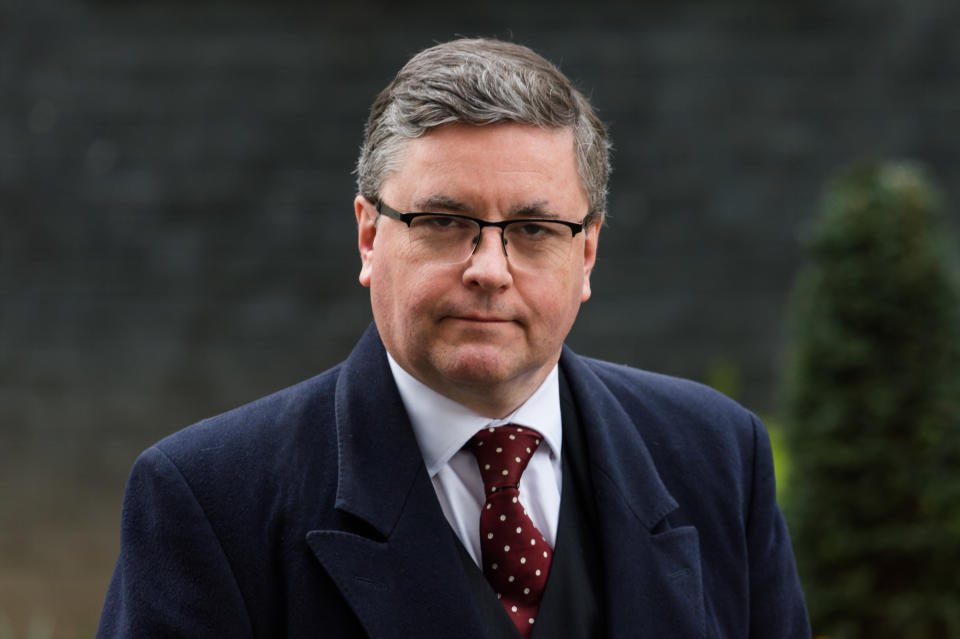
(495, 401)
(492, 399)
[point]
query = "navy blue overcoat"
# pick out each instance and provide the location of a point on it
(309, 513)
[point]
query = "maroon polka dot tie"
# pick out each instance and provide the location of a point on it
(516, 557)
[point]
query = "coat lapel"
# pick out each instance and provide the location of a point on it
(394, 559)
(652, 571)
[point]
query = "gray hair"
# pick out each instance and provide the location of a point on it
(481, 82)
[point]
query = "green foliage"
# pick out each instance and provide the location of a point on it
(782, 464)
(724, 375)
(873, 412)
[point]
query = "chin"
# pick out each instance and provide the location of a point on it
(479, 365)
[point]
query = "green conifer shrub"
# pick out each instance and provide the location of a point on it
(873, 411)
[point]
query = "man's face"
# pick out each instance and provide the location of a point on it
(484, 332)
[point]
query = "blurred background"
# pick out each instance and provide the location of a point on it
(177, 234)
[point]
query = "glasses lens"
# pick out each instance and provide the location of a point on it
(529, 244)
(444, 238)
(538, 245)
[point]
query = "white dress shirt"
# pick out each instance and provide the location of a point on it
(443, 427)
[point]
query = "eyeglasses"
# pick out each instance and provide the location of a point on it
(450, 238)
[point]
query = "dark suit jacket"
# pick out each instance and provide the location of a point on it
(309, 513)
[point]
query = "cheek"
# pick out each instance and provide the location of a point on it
(555, 300)
(407, 289)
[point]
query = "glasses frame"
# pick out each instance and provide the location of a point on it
(408, 218)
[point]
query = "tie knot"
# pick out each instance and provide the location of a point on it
(503, 453)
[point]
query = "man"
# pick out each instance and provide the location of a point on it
(463, 474)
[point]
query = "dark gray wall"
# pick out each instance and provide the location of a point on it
(176, 231)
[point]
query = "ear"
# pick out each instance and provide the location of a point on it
(366, 232)
(591, 237)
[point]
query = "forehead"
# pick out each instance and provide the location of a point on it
(496, 166)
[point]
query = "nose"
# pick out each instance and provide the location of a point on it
(487, 267)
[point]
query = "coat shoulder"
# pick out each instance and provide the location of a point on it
(265, 426)
(264, 454)
(704, 445)
(674, 401)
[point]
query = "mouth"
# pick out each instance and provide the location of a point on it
(480, 319)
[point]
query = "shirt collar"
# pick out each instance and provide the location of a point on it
(442, 426)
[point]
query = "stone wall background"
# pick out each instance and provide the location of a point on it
(176, 230)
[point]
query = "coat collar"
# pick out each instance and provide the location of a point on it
(653, 578)
(393, 558)
(617, 450)
(404, 577)
(378, 455)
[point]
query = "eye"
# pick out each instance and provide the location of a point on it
(440, 223)
(535, 230)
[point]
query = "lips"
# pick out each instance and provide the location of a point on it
(478, 314)
(482, 319)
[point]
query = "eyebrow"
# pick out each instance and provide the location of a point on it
(535, 210)
(443, 202)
